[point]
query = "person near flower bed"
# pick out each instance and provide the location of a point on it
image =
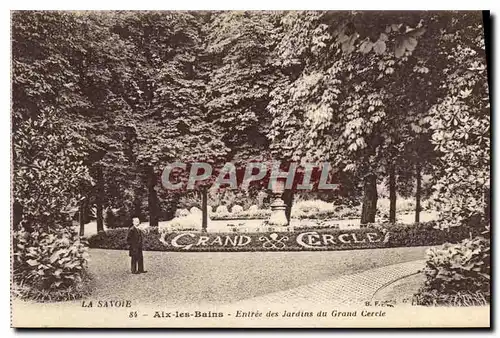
(134, 240)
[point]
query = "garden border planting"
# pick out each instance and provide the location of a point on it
(422, 234)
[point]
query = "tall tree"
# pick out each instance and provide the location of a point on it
(168, 112)
(460, 124)
(348, 92)
(47, 151)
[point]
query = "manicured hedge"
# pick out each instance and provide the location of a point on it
(424, 234)
(392, 236)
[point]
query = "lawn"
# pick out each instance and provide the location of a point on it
(219, 277)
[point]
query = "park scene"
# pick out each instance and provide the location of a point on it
(340, 157)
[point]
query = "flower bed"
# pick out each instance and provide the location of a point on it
(303, 210)
(241, 215)
(311, 239)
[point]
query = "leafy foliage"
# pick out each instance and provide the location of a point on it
(241, 75)
(458, 268)
(48, 260)
(142, 89)
(461, 127)
(242, 215)
(48, 170)
(103, 100)
(62, 75)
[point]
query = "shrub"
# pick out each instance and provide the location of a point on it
(221, 209)
(118, 218)
(236, 209)
(195, 210)
(181, 212)
(253, 208)
(245, 214)
(310, 209)
(183, 223)
(426, 233)
(49, 263)
(455, 270)
(229, 198)
(76, 291)
(461, 298)
(318, 209)
(117, 239)
(312, 206)
(403, 205)
(191, 221)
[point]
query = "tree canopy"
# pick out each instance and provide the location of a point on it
(102, 101)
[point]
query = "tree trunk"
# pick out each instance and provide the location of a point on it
(392, 194)
(99, 199)
(86, 210)
(487, 207)
(17, 214)
(81, 217)
(152, 198)
(204, 209)
(418, 194)
(288, 199)
(369, 209)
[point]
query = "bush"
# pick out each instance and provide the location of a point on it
(457, 270)
(181, 212)
(221, 209)
(426, 233)
(461, 298)
(318, 209)
(183, 223)
(311, 207)
(76, 291)
(117, 239)
(118, 218)
(236, 209)
(245, 214)
(403, 205)
(253, 208)
(195, 210)
(50, 264)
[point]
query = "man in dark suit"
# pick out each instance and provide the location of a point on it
(134, 240)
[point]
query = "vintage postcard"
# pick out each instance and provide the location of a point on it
(250, 169)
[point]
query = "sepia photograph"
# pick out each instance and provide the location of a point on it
(250, 169)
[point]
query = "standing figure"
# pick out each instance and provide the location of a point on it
(134, 240)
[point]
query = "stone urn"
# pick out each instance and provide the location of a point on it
(278, 216)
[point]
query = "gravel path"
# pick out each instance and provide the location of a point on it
(217, 277)
(356, 288)
(221, 282)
